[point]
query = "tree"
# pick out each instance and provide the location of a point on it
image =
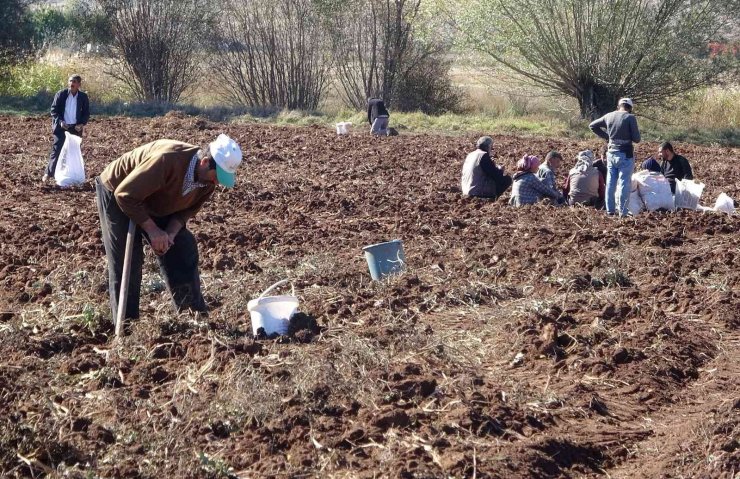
(599, 50)
(156, 44)
(271, 53)
(17, 33)
(385, 48)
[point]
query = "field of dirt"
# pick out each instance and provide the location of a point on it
(532, 342)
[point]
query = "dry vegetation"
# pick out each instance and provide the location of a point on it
(535, 342)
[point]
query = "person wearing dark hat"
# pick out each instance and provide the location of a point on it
(377, 116)
(70, 112)
(620, 129)
(160, 186)
(674, 167)
(480, 176)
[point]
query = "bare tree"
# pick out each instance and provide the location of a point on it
(371, 40)
(599, 50)
(156, 43)
(272, 53)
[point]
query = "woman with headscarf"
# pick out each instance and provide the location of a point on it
(585, 184)
(528, 189)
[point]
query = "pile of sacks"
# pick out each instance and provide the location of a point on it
(651, 191)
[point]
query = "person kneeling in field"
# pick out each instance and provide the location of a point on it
(674, 167)
(528, 189)
(547, 172)
(160, 186)
(585, 184)
(480, 176)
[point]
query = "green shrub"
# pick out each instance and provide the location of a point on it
(28, 79)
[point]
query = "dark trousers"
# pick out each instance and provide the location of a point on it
(503, 185)
(179, 266)
(56, 148)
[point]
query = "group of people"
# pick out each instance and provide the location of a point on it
(590, 182)
(161, 185)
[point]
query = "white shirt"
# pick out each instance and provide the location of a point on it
(70, 109)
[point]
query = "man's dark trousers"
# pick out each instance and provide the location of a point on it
(56, 148)
(179, 266)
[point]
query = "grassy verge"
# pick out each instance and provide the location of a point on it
(710, 117)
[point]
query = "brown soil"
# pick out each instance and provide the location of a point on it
(533, 342)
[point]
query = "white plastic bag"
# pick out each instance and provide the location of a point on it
(70, 169)
(635, 204)
(344, 127)
(655, 190)
(688, 193)
(724, 204)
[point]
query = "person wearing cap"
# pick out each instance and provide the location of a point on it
(160, 186)
(528, 189)
(481, 178)
(585, 184)
(620, 129)
(547, 172)
(651, 165)
(377, 116)
(674, 167)
(70, 112)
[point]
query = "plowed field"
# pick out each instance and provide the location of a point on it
(532, 342)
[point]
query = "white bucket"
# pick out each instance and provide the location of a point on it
(344, 127)
(272, 313)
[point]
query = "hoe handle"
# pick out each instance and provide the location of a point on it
(123, 296)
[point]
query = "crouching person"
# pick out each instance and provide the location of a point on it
(480, 176)
(585, 184)
(159, 186)
(528, 189)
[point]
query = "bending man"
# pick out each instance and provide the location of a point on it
(160, 186)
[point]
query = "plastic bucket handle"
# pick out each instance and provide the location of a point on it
(279, 283)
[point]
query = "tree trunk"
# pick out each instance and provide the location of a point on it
(596, 100)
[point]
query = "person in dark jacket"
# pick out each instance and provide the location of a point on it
(70, 112)
(480, 176)
(620, 129)
(674, 167)
(377, 116)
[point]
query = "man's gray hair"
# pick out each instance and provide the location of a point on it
(484, 143)
(75, 77)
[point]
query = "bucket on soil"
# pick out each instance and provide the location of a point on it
(272, 313)
(344, 127)
(385, 259)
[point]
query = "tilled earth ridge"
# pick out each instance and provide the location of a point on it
(532, 342)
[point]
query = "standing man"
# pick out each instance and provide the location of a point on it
(480, 176)
(159, 186)
(377, 116)
(619, 128)
(674, 167)
(70, 112)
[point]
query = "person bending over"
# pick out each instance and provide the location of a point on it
(160, 186)
(377, 116)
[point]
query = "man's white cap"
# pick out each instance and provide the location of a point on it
(228, 157)
(625, 101)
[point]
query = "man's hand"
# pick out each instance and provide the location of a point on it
(63, 125)
(79, 128)
(158, 239)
